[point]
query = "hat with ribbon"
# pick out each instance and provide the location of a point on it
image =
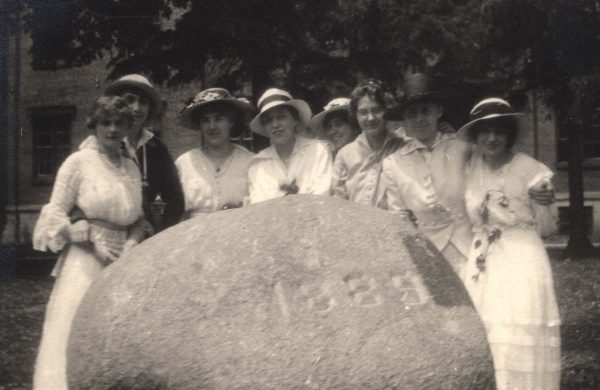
(489, 109)
(139, 83)
(210, 97)
(335, 105)
(275, 97)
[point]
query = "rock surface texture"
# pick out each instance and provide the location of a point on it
(302, 292)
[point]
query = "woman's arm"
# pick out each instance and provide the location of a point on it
(391, 197)
(52, 229)
(339, 177)
(259, 188)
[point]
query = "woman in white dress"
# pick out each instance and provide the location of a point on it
(214, 176)
(106, 186)
(508, 270)
(292, 164)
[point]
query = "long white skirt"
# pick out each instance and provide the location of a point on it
(79, 269)
(516, 301)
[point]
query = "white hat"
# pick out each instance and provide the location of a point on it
(210, 97)
(140, 83)
(491, 108)
(337, 104)
(275, 97)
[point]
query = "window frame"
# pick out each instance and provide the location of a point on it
(68, 112)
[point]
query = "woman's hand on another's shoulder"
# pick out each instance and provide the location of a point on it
(542, 193)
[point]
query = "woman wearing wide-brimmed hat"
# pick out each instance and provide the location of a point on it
(214, 176)
(508, 271)
(357, 167)
(333, 124)
(292, 164)
(106, 185)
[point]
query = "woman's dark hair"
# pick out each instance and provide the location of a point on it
(503, 124)
(222, 108)
(107, 106)
(375, 91)
(343, 115)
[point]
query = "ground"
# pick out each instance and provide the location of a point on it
(22, 303)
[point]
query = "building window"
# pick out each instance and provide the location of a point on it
(51, 140)
(591, 139)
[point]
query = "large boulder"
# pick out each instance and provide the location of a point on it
(302, 292)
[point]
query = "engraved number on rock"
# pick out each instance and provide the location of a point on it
(411, 288)
(363, 290)
(317, 298)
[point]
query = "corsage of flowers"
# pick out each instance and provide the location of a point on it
(491, 232)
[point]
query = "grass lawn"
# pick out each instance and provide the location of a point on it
(22, 304)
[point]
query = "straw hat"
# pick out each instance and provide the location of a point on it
(492, 108)
(337, 104)
(139, 83)
(275, 97)
(212, 96)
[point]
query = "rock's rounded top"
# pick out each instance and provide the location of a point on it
(298, 292)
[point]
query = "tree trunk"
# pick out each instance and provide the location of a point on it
(579, 245)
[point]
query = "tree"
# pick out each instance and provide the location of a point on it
(482, 47)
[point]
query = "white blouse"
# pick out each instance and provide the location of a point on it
(513, 180)
(310, 168)
(430, 182)
(104, 192)
(205, 189)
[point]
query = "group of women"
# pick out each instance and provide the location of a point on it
(483, 205)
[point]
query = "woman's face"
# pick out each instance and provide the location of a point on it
(492, 140)
(421, 120)
(139, 104)
(280, 125)
(110, 131)
(215, 128)
(338, 131)
(369, 115)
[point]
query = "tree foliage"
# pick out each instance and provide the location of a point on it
(481, 47)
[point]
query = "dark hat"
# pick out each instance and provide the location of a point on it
(417, 88)
(210, 97)
(139, 83)
(488, 109)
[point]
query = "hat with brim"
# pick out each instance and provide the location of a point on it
(417, 88)
(213, 97)
(139, 83)
(489, 109)
(275, 97)
(335, 105)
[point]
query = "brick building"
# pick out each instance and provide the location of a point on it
(49, 122)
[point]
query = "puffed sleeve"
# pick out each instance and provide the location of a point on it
(322, 171)
(54, 215)
(340, 176)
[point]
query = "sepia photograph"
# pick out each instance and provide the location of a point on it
(299, 194)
